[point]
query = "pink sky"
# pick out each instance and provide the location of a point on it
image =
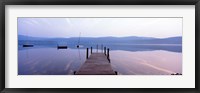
(100, 27)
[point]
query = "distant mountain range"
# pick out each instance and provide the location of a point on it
(107, 40)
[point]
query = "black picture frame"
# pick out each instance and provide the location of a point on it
(3, 3)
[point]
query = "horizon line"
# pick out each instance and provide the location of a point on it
(101, 37)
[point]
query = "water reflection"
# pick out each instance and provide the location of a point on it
(157, 62)
(126, 59)
(49, 61)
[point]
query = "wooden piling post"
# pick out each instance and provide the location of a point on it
(105, 50)
(97, 48)
(74, 72)
(116, 72)
(91, 50)
(108, 55)
(87, 53)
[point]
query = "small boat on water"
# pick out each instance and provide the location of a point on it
(79, 46)
(61, 47)
(28, 45)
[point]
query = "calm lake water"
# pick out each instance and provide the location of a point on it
(126, 59)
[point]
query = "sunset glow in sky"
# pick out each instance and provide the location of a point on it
(100, 27)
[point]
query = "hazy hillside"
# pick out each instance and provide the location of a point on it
(107, 40)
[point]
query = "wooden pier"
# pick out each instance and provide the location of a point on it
(96, 64)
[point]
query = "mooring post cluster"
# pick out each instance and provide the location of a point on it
(104, 50)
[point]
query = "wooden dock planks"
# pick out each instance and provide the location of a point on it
(96, 64)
